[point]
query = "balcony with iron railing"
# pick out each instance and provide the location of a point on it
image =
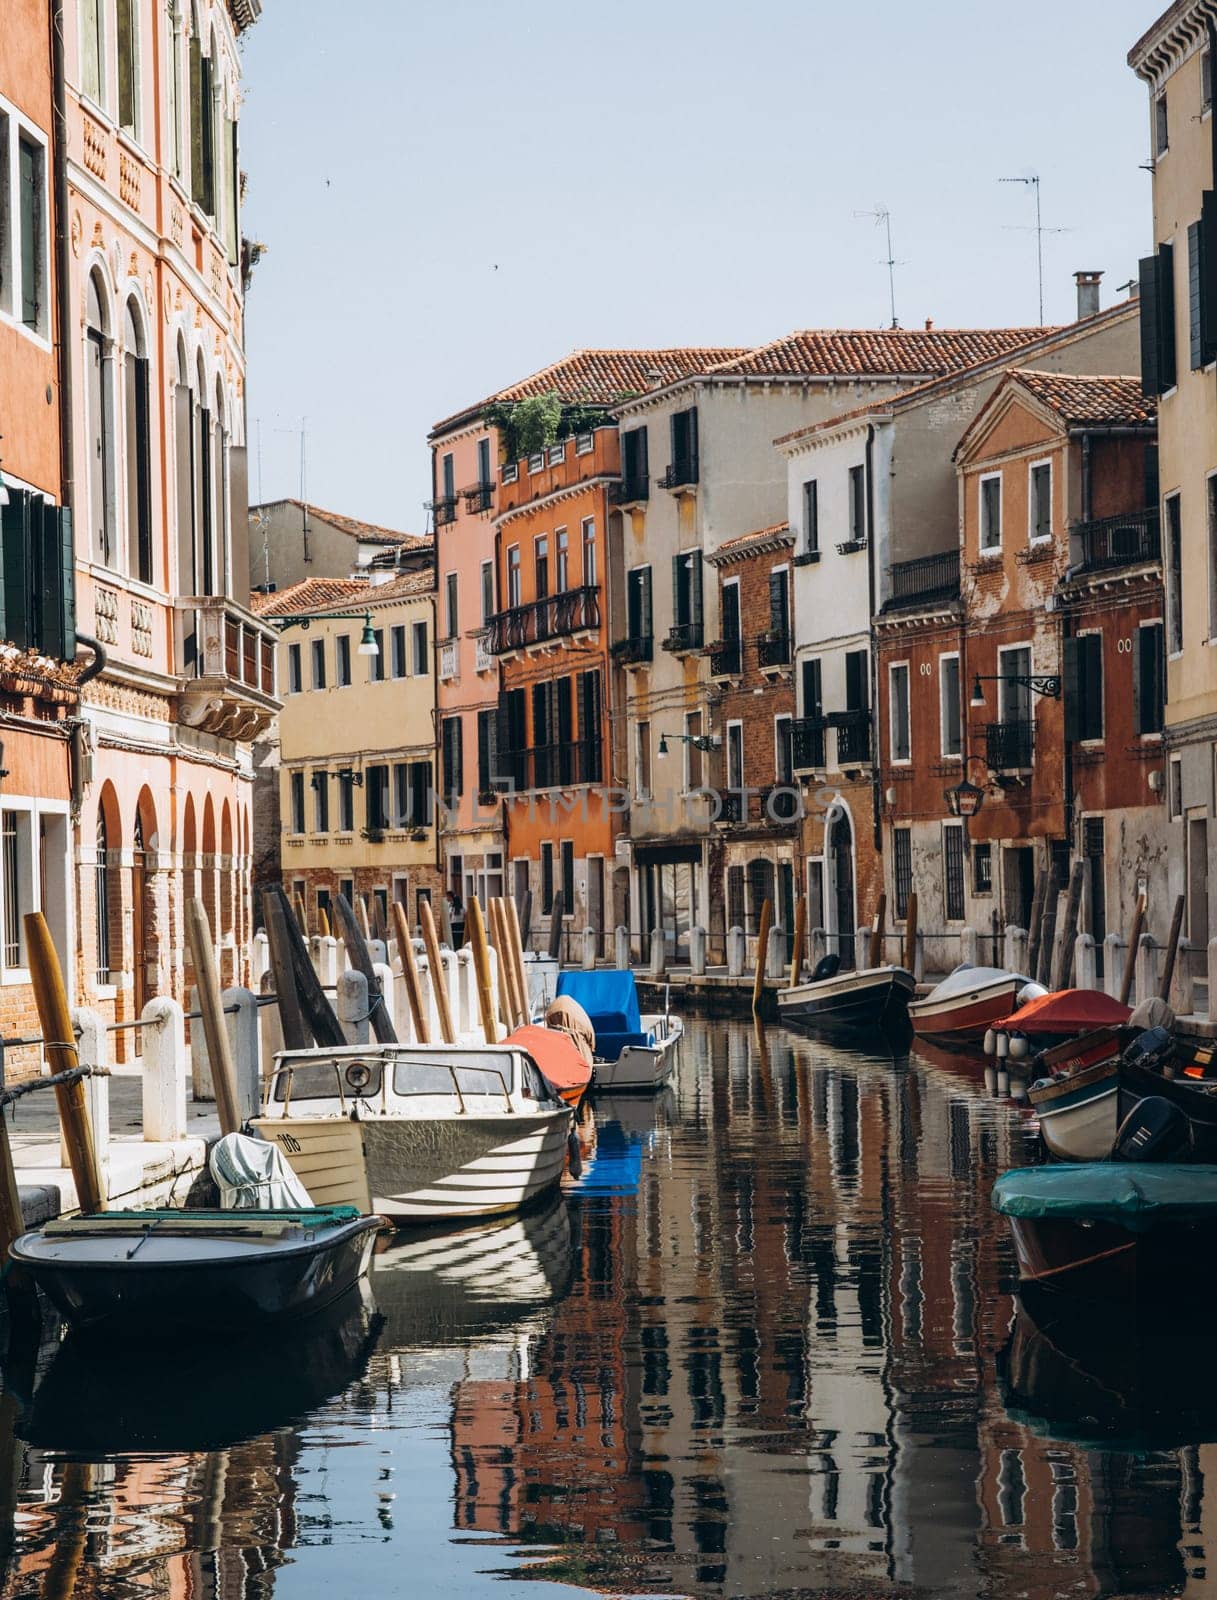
(780, 804)
(557, 616)
(725, 657)
(726, 805)
(225, 667)
(807, 737)
(634, 652)
(443, 510)
(1124, 541)
(1009, 745)
(630, 492)
(449, 661)
(773, 649)
(550, 766)
(478, 497)
(681, 474)
(853, 736)
(925, 579)
(683, 637)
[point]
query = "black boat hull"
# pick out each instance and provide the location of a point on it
(865, 1001)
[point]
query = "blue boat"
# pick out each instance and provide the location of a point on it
(633, 1051)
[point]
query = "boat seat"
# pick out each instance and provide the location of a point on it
(614, 1034)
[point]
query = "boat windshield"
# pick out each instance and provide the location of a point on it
(489, 1074)
(357, 1079)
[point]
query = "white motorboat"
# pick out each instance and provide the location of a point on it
(633, 1051)
(418, 1133)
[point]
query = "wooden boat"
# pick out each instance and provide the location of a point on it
(1076, 1095)
(418, 1133)
(1114, 1230)
(633, 1051)
(562, 1065)
(864, 998)
(967, 1002)
(152, 1274)
(1184, 1076)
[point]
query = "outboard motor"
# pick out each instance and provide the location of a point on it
(1154, 1130)
(826, 967)
(1153, 1050)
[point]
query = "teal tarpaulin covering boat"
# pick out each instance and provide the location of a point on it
(1137, 1197)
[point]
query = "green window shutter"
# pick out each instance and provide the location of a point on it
(679, 599)
(1073, 690)
(1151, 379)
(1208, 273)
(696, 615)
(1194, 277)
(16, 538)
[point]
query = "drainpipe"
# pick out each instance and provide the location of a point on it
(875, 796)
(63, 290)
(78, 724)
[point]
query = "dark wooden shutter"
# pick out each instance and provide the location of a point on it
(856, 691)
(695, 598)
(1166, 317)
(1072, 689)
(731, 612)
(14, 528)
(58, 573)
(813, 704)
(1194, 276)
(1208, 273)
(485, 723)
(779, 620)
(693, 440)
(566, 732)
(1148, 680)
(1151, 377)
(680, 592)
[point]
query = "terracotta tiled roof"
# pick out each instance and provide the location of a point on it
(400, 588)
(1078, 399)
(605, 377)
(878, 352)
(308, 595)
(746, 544)
(366, 532)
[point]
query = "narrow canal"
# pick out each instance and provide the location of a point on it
(765, 1346)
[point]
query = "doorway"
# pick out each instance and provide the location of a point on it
(840, 853)
(1198, 882)
(139, 939)
(1019, 864)
(1094, 849)
(595, 901)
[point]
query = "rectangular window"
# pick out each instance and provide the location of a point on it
(31, 180)
(376, 796)
(449, 472)
(779, 604)
(342, 660)
(901, 734)
(731, 619)
(14, 906)
(990, 512)
(783, 749)
(1211, 506)
(513, 576)
(321, 801)
(1175, 795)
(488, 751)
(642, 762)
(487, 590)
(857, 680)
(92, 24)
(811, 517)
(589, 550)
(346, 802)
(561, 561)
(952, 861)
(902, 869)
(401, 794)
(297, 790)
(484, 478)
(397, 650)
(294, 677)
(638, 605)
(1156, 300)
(1149, 680)
(547, 878)
(635, 468)
(451, 616)
(693, 757)
(376, 663)
(949, 714)
(1174, 575)
(346, 888)
(127, 78)
(687, 599)
(1040, 498)
(318, 650)
(685, 452)
(590, 714)
(982, 868)
(422, 666)
(453, 764)
(1161, 126)
(1084, 687)
(420, 803)
(1206, 81)
(857, 505)
(736, 904)
(735, 755)
(540, 555)
(567, 853)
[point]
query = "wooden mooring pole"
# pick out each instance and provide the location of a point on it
(910, 933)
(875, 954)
(800, 933)
(59, 1044)
(481, 965)
(439, 979)
(1130, 958)
(762, 950)
(409, 972)
(1172, 949)
(219, 1052)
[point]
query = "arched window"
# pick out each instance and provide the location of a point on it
(92, 50)
(139, 448)
(220, 494)
(100, 421)
(102, 880)
(204, 488)
(128, 66)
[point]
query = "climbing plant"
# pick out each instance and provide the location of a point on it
(531, 425)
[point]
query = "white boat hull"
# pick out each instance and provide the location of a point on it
(426, 1170)
(641, 1067)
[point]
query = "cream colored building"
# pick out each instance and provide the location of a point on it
(356, 758)
(1179, 349)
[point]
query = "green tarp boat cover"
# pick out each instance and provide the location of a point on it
(1134, 1196)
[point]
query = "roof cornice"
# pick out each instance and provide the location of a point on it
(1176, 36)
(555, 497)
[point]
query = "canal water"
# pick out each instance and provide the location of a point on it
(765, 1345)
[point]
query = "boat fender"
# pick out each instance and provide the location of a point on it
(1019, 1047)
(1002, 1045)
(990, 1041)
(574, 1155)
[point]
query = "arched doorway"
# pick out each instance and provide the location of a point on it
(145, 922)
(839, 850)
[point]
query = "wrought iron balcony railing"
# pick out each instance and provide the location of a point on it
(725, 658)
(933, 577)
(573, 611)
(444, 510)
(1009, 745)
(478, 496)
(726, 805)
(633, 652)
(1120, 541)
(773, 649)
(683, 636)
(550, 766)
(680, 474)
(807, 734)
(630, 492)
(853, 736)
(781, 802)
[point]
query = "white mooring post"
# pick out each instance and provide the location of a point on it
(93, 1050)
(164, 1077)
(775, 955)
(589, 949)
(353, 1006)
(737, 952)
(659, 953)
(697, 952)
(384, 977)
(1085, 965)
(968, 943)
(1114, 949)
(1183, 984)
(1147, 968)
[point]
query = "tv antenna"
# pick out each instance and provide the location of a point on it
(1032, 181)
(883, 219)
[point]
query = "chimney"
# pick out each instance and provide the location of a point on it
(1088, 293)
(929, 323)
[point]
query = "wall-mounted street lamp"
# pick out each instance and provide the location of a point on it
(349, 775)
(1045, 683)
(699, 741)
(367, 645)
(965, 799)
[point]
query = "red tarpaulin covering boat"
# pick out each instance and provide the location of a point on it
(558, 1057)
(1066, 1011)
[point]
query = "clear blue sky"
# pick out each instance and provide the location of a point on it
(456, 194)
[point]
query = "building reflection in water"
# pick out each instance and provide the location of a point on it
(764, 1345)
